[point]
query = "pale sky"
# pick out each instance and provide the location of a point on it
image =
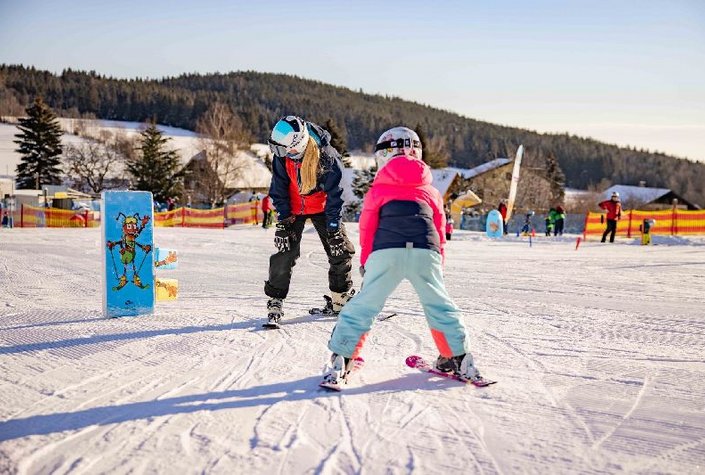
(622, 71)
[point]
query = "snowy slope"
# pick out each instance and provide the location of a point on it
(599, 353)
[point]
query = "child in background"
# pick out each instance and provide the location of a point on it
(449, 225)
(402, 235)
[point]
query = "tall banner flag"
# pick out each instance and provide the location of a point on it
(515, 182)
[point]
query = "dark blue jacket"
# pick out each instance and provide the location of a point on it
(406, 223)
(327, 188)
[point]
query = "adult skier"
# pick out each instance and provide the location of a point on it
(402, 235)
(306, 173)
(613, 206)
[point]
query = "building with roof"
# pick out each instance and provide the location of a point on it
(490, 181)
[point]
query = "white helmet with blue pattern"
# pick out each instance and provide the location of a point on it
(289, 137)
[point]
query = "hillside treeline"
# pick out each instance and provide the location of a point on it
(260, 98)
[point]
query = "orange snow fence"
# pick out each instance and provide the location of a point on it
(39, 217)
(667, 222)
(190, 218)
(243, 213)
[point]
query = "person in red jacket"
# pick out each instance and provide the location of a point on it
(614, 212)
(306, 174)
(503, 211)
(266, 211)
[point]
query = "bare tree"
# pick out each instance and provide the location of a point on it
(98, 162)
(90, 164)
(222, 136)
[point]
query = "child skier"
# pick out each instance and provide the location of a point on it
(402, 235)
(306, 173)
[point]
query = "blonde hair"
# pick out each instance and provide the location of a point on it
(309, 167)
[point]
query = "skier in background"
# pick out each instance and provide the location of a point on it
(560, 221)
(306, 174)
(266, 211)
(402, 235)
(614, 212)
(550, 221)
(503, 211)
(527, 228)
(449, 223)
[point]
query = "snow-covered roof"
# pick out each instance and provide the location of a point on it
(641, 194)
(480, 169)
(443, 178)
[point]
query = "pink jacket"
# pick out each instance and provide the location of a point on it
(402, 178)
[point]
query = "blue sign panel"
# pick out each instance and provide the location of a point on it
(128, 244)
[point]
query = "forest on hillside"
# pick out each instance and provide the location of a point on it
(261, 98)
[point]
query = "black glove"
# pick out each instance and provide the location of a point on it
(336, 243)
(284, 236)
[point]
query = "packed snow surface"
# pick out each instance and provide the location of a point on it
(599, 353)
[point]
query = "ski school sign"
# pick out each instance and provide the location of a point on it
(128, 244)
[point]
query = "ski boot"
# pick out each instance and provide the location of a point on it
(122, 283)
(339, 300)
(274, 312)
(462, 366)
(337, 371)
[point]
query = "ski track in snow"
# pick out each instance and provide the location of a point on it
(599, 354)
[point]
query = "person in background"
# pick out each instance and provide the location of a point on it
(550, 221)
(255, 208)
(503, 211)
(449, 223)
(527, 228)
(560, 221)
(306, 174)
(613, 206)
(402, 236)
(266, 211)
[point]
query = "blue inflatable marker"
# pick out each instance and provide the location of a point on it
(494, 228)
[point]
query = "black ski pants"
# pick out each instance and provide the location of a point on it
(611, 229)
(281, 264)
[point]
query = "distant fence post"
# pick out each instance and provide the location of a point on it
(674, 217)
(183, 216)
(22, 215)
(629, 228)
(85, 216)
(587, 215)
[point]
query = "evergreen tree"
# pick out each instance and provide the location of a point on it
(39, 143)
(556, 176)
(361, 184)
(155, 168)
(338, 142)
(432, 154)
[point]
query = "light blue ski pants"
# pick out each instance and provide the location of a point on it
(384, 270)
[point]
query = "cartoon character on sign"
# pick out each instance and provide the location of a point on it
(132, 226)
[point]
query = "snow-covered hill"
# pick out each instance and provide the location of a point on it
(599, 353)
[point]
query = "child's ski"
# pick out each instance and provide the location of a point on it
(358, 363)
(421, 364)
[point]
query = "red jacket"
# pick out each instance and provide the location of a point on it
(614, 209)
(266, 204)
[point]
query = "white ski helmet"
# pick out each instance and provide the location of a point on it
(395, 142)
(289, 137)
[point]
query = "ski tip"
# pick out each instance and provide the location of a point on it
(413, 361)
(482, 383)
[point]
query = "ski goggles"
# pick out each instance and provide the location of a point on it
(280, 150)
(277, 149)
(399, 143)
